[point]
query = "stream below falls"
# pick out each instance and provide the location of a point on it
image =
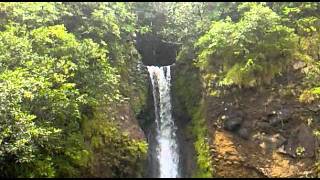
(166, 146)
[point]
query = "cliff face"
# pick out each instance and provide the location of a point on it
(183, 123)
(186, 96)
(116, 143)
(259, 134)
(115, 140)
(254, 132)
(129, 123)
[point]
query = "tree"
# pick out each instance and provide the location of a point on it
(53, 76)
(249, 52)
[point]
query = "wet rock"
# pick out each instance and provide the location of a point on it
(275, 121)
(280, 117)
(244, 133)
(233, 124)
(233, 121)
(301, 137)
(236, 113)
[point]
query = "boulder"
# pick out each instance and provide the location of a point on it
(280, 117)
(301, 137)
(233, 124)
(244, 133)
(279, 140)
(270, 142)
(233, 121)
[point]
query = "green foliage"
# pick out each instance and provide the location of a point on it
(202, 147)
(305, 19)
(187, 90)
(249, 52)
(300, 150)
(183, 21)
(113, 27)
(247, 44)
(32, 15)
(187, 87)
(62, 61)
(122, 156)
(53, 73)
(178, 22)
(310, 95)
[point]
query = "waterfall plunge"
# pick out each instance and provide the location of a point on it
(167, 148)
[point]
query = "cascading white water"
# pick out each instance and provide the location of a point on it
(167, 150)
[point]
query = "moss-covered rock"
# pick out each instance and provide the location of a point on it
(187, 93)
(200, 131)
(114, 151)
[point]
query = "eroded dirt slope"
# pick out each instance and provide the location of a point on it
(263, 133)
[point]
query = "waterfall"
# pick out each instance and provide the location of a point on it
(167, 148)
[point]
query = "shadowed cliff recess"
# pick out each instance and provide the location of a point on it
(156, 52)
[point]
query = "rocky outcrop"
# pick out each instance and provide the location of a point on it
(271, 136)
(279, 118)
(255, 133)
(269, 142)
(234, 157)
(301, 142)
(128, 122)
(244, 133)
(233, 120)
(182, 99)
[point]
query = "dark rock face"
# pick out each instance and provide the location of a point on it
(301, 137)
(233, 121)
(279, 118)
(265, 126)
(156, 52)
(244, 133)
(129, 123)
(278, 140)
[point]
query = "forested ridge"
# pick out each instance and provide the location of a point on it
(74, 91)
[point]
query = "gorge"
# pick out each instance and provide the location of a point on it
(159, 89)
